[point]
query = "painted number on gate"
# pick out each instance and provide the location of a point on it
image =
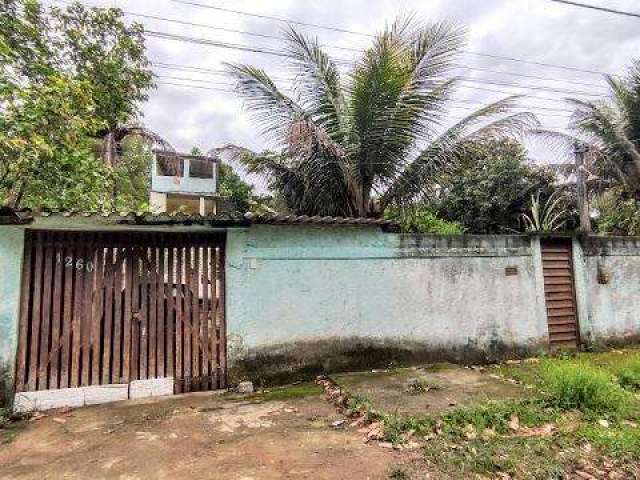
(78, 263)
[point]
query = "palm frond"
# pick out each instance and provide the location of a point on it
(417, 177)
(317, 83)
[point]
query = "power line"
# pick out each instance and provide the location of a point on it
(342, 30)
(206, 71)
(275, 19)
(468, 102)
(599, 8)
(255, 34)
(242, 47)
(530, 87)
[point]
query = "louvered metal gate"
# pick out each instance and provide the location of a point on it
(559, 293)
(112, 307)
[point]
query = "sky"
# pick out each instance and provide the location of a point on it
(192, 105)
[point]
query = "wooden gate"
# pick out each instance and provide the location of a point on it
(559, 293)
(103, 308)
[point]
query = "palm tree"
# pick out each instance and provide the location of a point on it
(343, 143)
(609, 131)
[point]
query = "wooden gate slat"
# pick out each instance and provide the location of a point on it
(23, 328)
(144, 313)
(36, 316)
(56, 312)
(118, 318)
(127, 313)
(179, 295)
(169, 293)
(135, 315)
(213, 279)
(67, 314)
(47, 280)
(152, 308)
(107, 334)
(97, 313)
(160, 315)
(222, 343)
(195, 318)
(187, 318)
(205, 315)
(87, 308)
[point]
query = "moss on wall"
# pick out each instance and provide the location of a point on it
(303, 360)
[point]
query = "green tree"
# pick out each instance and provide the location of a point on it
(233, 188)
(489, 186)
(70, 81)
(46, 154)
(342, 142)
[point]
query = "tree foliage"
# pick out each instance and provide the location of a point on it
(489, 186)
(68, 78)
(338, 142)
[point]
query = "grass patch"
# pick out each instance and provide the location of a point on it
(629, 375)
(522, 458)
(621, 442)
(575, 385)
(496, 415)
(301, 390)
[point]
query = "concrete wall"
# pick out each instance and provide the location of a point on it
(307, 298)
(612, 279)
(11, 248)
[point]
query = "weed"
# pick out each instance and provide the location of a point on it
(578, 385)
(629, 375)
(302, 390)
(546, 458)
(496, 415)
(396, 427)
(621, 442)
(417, 386)
(398, 474)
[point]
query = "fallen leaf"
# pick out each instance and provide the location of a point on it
(603, 423)
(514, 423)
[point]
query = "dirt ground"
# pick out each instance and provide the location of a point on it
(282, 434)
(448, 386)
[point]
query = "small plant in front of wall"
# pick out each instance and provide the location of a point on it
(417, 386)
(546, 216)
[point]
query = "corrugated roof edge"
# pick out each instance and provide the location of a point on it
(25, 216)
(279, 219)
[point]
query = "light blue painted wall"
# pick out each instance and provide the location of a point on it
(290, 283)
(11, 249)
(613, 307)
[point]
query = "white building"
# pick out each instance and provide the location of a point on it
(184, 183)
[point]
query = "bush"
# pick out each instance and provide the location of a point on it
(420, 219)
(629, 376)
(617, 215)
(575, 385)
(6, 387)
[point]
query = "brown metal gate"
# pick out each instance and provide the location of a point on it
(559, 293)
(112, 307)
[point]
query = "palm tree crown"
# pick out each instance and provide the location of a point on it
(376, 133)
(609, 130)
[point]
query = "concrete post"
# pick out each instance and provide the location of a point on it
(11, 256)
(582, 297)
(541, 306)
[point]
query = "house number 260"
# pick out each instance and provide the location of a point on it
(78, 263)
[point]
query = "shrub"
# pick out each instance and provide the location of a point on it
(575, 385)
(617, 213)
(629, 376)
(420, 219)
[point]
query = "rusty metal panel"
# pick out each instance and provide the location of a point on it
(559, 288)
